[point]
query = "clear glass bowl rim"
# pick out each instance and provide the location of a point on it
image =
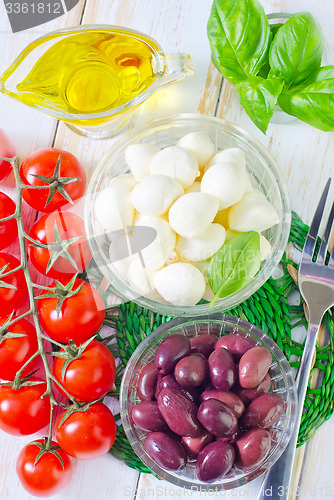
(227, 303)
(260, 337)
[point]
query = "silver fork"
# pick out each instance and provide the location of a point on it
(316, 284)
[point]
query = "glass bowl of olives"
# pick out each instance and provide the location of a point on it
(208, 402)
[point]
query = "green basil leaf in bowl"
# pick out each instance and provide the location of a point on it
(239, 34)
(235, 264)
(296, 50)
(313, 102)
(258, 96)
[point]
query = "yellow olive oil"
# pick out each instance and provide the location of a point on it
(86, 72)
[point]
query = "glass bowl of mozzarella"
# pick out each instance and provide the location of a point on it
(187, 215)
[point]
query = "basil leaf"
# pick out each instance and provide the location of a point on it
(238, 33)
(297, 49)
(312, 103)
(235, 264)
(323, 73)
(266, 68)
(274, 28)
(258, 98)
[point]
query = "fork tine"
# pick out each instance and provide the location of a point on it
(324, 243)
(311, 238)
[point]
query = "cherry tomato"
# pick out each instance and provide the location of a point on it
(49, 229)
(46, 477)
(89, 377)
(59, 167)
(80, 317)
(15, 352)
(23, 411)
(87, 434)
(7, 150)
(14, 297)
(8, 229)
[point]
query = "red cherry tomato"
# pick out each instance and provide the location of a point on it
(15, 352)
(87, 434)
(81, 315)
(47, 230)
(44, 163)
(7, 150)
(48, 475)
(23, 411)
(14, 297)
(8, 229)
(89, 377)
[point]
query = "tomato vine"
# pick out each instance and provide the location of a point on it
(61, 294)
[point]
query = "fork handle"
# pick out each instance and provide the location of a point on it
(277, 482)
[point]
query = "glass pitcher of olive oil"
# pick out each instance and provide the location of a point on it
(92, 77)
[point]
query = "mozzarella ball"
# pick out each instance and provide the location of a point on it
(194, 188)
(139, 157)
(112, 207)
(226, 181)
(176, 162)
(172, 258)
(252, 213)
(201, 247)
(140, 278)
(222, 217)
(155, 194)
(230, 155)
(249, 187)
(181, 284)
(203, 266)
(121, 266)
(192, 214)
(200, 145)
(156, 254)
(265, 247)
(208, 293)
(230, 234)
(120, 243)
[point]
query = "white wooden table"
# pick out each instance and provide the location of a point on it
(304, 155)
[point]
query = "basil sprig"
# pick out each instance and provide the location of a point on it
(238, 32)
(235, 264)
(258, 96)
(280, 64)
(313, 102)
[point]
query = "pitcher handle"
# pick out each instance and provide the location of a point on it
(177, 67)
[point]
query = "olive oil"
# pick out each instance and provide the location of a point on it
(86, 72)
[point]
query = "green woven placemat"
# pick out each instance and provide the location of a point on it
(268, 309)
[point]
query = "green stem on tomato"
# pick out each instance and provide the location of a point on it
(32, 301)
(46, 288)
(10, 217)
(60, 385)
(48, 442)
(18, 268)
(45, 337)
(18, 318)
(19, 372)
